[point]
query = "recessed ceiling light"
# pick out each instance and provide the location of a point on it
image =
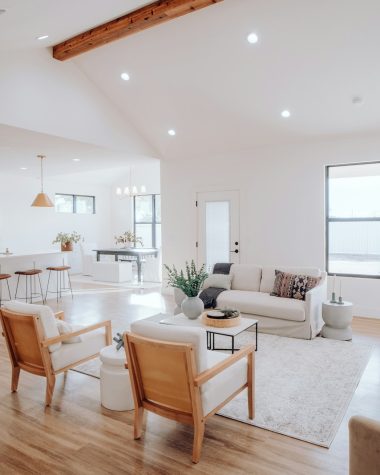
(125, 76)
(171, 132)
(357, 100)
(23, 168)
(76, 159)
(43, 37)
(285, 114)
(252, 38)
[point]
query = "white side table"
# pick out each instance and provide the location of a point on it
(338, 319)
(115, 385)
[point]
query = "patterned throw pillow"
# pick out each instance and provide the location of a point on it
(292, 286)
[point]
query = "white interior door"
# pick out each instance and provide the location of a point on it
(218, 228)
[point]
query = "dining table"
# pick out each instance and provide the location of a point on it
(135, 253)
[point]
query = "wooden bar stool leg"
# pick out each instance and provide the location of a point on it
(18, 279)
(9, 291)
(57, 287)
(42, 295)
(71, 289)
(47, 288)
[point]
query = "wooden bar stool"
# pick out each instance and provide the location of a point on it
(60, 270)
(4, 277)
(31, 273)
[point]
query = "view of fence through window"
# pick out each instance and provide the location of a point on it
(353, 219)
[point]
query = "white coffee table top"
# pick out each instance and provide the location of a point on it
(182, 320)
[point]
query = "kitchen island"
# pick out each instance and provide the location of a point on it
(40, 259)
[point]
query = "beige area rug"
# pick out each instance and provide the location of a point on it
(303, 388)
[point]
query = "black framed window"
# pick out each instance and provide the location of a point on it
(147, 219)
(78, 204)
(353, 219)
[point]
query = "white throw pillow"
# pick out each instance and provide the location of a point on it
(64, 328)
(221, 281)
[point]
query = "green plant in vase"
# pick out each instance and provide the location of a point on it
(190, 282)
(66, 240)
(128, 238)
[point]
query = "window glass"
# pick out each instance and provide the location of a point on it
(64, 203)
(158, 208)
(143, 209)
(353, 219)
(144, 231)
(84, 205)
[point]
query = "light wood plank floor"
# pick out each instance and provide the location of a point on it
(77, 436)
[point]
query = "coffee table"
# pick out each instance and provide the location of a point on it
(231, 332)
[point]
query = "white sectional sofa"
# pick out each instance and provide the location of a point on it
(250, 293)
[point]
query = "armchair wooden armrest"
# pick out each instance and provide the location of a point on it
(218, 368)
(60, 315)
(67, 336)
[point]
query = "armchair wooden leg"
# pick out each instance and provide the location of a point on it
(139, 415)
(199, 430)
(15, 378)
(50, 383)
(251, 386)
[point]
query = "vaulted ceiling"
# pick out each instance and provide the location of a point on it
(199, 75)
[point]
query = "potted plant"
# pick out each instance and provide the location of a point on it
(128, 238)
(66, 240)
(190, 282)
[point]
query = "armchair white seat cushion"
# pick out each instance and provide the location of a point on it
(219, 388)
(259, 303)
(47, 317)
(91, 343)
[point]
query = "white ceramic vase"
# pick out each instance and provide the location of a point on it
(192, 307)
(179, 296)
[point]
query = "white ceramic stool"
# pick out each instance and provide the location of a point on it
(115, 385)
(337, 318)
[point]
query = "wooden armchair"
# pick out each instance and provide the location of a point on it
(35, 345)
(184, 381)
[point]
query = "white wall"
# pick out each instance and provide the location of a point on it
(282, 205)
(25, 228)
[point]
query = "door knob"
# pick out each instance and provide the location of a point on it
(236, 251)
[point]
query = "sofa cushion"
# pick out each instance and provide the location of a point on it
(220, 281)
(259, 303)
(293, 286)
(91, 344)
(268, 275)
(47, 318)
(245, 277)
(219, 388)
(177, 334)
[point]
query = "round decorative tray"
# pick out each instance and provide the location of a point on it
(216, 319)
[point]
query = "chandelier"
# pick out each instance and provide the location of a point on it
(131, 190)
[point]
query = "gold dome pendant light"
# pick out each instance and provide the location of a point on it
(42, 200)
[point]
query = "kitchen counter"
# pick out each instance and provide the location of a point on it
(24, 260)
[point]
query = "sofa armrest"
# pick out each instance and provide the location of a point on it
(314, 299)
(364, 446)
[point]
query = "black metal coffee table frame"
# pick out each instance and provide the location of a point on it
(211, 339)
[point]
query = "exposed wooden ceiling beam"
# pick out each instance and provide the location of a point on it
(145, 17)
